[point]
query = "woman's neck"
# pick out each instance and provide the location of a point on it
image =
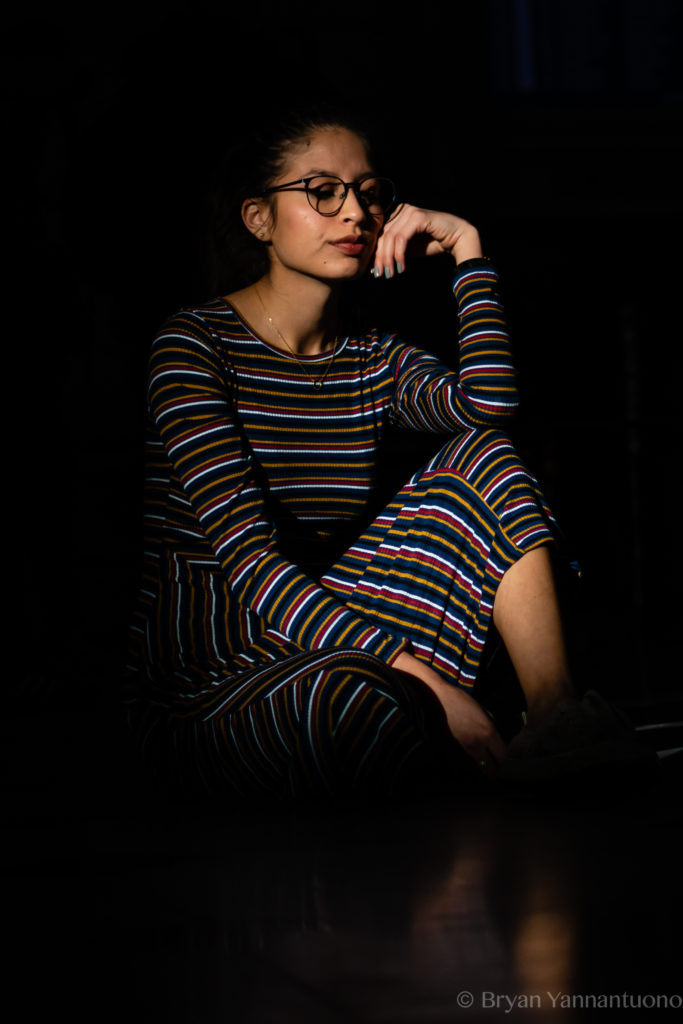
(303, 321)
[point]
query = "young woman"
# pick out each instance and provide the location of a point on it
(284, 644)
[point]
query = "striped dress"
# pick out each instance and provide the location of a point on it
(276, 595)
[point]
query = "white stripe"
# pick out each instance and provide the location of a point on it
(471, 335)
(274, 582)
(384, 589)
(487, 301)
(346, 707)
(378, 731)
(312, 694)
(322, 452)
(198, 437)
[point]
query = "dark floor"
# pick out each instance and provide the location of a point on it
(518, 906)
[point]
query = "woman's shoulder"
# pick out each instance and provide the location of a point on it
(384, 344)
(371, 346)
(373, 339)
(212, 320)
(216, 311)
(205, 333)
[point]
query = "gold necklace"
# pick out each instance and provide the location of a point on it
(317, 382)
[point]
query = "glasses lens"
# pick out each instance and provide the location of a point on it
(377, 195)
(327, 195)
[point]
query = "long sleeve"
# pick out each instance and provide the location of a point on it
(483, 393)
(192, 406)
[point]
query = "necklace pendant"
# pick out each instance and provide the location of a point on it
(317, 383)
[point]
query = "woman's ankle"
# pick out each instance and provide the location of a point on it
(545, 700)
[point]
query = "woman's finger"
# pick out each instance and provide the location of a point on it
(392, 246)
(412, 230)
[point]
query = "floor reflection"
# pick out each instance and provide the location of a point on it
(130, 907)
(389, 915)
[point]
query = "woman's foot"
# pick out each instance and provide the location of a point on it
(586, 737)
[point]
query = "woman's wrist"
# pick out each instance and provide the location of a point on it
(475, 263)
(467, 246)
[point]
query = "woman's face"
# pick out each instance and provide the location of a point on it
(303, 241)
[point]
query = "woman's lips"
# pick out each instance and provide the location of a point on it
(352, 246)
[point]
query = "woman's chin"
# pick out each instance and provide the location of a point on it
(350, 270)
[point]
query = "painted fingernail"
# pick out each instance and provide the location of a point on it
(375, 272)
(387, 272)
(400, 268)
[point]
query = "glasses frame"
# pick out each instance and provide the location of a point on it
(303, 185)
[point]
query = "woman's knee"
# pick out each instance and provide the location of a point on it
(471, 452)
(483, 461)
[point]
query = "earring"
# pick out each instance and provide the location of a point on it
(260, 234)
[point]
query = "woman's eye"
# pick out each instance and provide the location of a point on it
(324, 191)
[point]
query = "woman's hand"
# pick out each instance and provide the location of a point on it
(467, 721)
(411, 231)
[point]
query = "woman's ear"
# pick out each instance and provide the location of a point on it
(256, 216)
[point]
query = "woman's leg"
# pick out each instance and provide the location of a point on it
(334, 723)
(431, 567)
(526, 612)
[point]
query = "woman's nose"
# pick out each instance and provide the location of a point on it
(352, 207)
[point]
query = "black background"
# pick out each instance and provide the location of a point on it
(555, 127)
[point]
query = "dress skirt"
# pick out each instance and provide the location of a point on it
(340, 722)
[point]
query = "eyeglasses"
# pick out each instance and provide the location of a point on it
(327, 193)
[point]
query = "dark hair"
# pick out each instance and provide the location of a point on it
(254, 162)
